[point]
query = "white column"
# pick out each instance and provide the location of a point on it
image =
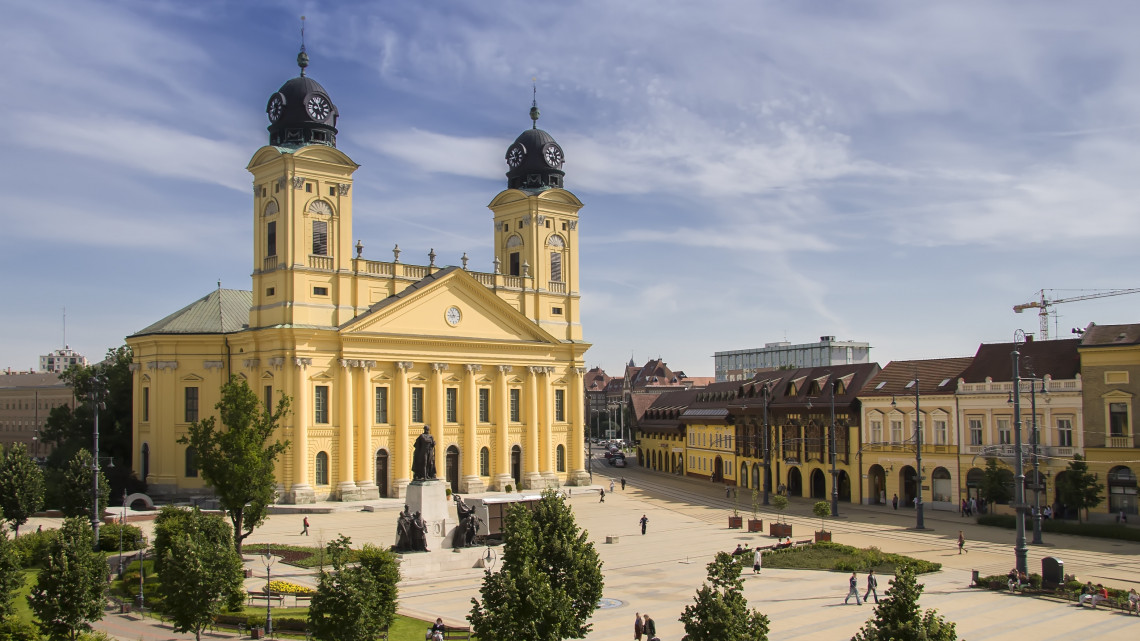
(365, 463)
(469, 480)
(301, 491)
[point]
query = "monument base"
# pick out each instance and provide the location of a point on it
(429, 498)
(501, 481)
(415, 565)
(400, 488)
(533, 481)
(578, 477)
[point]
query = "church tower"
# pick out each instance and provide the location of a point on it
(302, 211)
(536, 232)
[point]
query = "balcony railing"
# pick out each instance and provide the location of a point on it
(1120, 441)
(320, 262)
(270, 263)
(556, 287)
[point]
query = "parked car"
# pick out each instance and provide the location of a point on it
(618, 460)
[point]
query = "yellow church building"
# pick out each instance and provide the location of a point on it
(372, 352)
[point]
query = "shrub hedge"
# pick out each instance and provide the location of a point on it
(1054, 526)
(843, 558)
(32, 547)
(133, 538)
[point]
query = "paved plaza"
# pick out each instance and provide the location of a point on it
(659, 573)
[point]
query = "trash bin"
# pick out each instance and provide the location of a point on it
(1052, 572)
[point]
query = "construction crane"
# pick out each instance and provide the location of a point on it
(1044, 303)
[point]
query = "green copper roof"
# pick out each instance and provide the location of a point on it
(222, 311)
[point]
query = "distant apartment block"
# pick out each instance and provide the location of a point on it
(60, 360)
(743, 364)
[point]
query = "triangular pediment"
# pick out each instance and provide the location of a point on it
(322, 376)
(451, 378)
(515, 380)
(381, 377)
(426, 310)
(267, 375)
(192, 378)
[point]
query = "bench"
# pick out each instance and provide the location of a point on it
(297, 598)
(279, 598)
(456, 634)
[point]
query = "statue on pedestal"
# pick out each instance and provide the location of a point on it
(403, 531)
(419, 533)
(469, 524)
(423, 457)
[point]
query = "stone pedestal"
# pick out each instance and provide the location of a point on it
(400, 488)
(348, 491)
(533, 481)
(578, 477)
(368, 490)
(550, 480)
(501, 481)
(429, 498)
(301, 494)
(472, 485)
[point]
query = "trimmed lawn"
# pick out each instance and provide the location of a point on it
(23, 610)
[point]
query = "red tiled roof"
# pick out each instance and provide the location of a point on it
(1110, 335)
(1057, 359)
(936, 375)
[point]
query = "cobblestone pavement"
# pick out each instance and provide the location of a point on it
(658, 573)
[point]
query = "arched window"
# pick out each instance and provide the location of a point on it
(484, 462)
(191, 463)
(557, 247)
(322, 472)
(560, 457)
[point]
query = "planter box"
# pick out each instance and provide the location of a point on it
(255, 633)
(755, 525)
(736, 522)
(124, 608)
(780, 530)
(822, 536)
(248, 573)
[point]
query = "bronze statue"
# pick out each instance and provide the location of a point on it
(469, 524)
(403, 531)
(419, 533)
(423, 457)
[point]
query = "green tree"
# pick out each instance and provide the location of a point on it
(11, 574)
(237, 462)
(550, 581)
(69, 429)
(1077, 487)
(897, 617)
(719, 610)
(198, 577)
(822, 509)
(21, 485)
(75, 487)
(995, 485)
(173, 521)
(69, 591)
(780, 502)
(355, 603)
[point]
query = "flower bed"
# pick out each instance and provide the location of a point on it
(843, 558)
(285, 587)
(297, 555)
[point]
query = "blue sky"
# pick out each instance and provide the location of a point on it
(894, 172)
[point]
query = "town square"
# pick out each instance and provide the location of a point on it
(361, 321)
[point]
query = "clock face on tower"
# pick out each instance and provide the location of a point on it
(318, 107)
(553, 155)
(276, 106)
(515, 155)
(453, 315)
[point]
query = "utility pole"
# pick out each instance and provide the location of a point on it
(1020, 550)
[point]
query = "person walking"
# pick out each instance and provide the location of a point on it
(757, 558)
(962, 543)
(872, 586)
(644, 522)
(602, 494)
(649, 627)
(895, 502)
(853, 590)
(637, 627)
(623, 484)
(305, 526)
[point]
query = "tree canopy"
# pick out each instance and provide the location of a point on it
(70, 429)
(11, 575)
(550, 580)
(897, 616)
(719, 610)
(68, 594)
(21, 485)
(198, 575)
(355, 603)
(1078, 488)
(74, 487)
(996, 485)
(237, 462)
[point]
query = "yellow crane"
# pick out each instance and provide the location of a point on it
(1044, 303)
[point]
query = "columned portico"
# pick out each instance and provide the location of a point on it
(502, 433)
(470, 481)
(401, 411)
(301, 491)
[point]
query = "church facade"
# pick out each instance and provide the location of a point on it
(373, 352)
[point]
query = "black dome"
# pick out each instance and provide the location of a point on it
(301, 113)
(534, 160)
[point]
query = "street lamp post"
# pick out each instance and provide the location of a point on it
(919, 524)
(122, 526)
(1020, 550)
(767, 392)
(834, 472)
(267, 560)
(142, 580)
(1034, 440)
(96, 397)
